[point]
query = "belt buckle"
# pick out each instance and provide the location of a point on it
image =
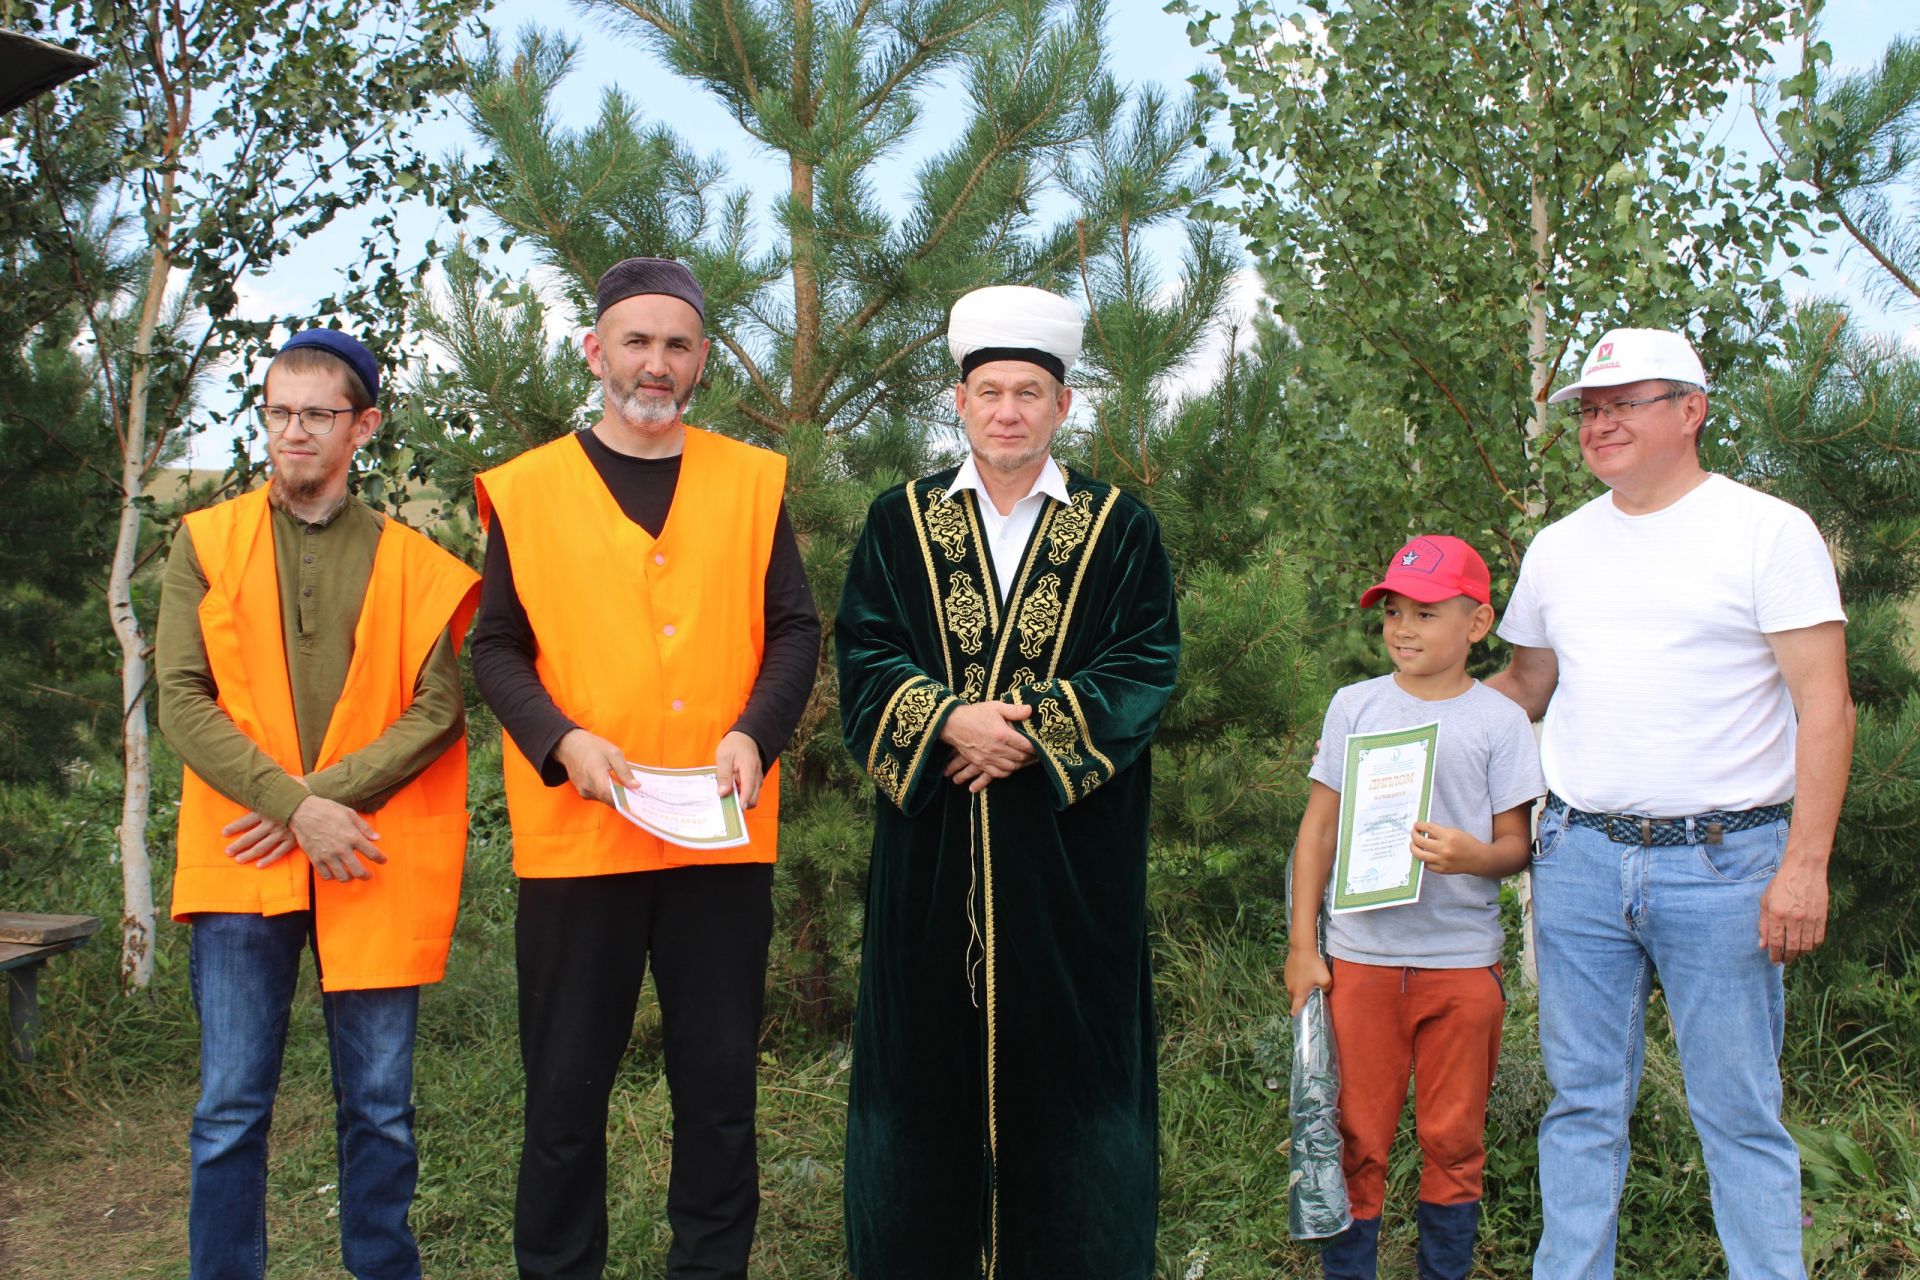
(1637, 825)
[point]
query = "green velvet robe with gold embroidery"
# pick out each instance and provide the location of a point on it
(1003, 1118)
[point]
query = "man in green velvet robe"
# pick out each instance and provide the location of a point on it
(1006, 641)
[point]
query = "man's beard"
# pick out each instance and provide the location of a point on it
(1009, 462)
(295, 490)
(643, 412)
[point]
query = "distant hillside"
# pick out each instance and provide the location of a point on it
(170, 485)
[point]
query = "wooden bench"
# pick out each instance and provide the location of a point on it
(25, 943)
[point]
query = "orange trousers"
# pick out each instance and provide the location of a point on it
(1442, 1027)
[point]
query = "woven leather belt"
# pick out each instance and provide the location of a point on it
(1699, 828)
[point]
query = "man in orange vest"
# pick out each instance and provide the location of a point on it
(307, 675)
(643, 601)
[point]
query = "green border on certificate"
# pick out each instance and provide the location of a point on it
(1398, 809)
(729, 811)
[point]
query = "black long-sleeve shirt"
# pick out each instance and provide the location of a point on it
(503, 641)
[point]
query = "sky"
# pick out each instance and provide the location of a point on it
(1146, 46)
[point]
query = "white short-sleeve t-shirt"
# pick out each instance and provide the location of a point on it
(1670, 701)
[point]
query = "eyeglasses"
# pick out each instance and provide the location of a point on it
(316, 422)
(1588, 414)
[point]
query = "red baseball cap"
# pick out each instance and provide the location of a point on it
(1432, 568)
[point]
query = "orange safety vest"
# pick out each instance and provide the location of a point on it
(651, 643)
(392, 930)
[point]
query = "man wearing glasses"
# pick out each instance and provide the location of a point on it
(1683, 637)
(306, 673)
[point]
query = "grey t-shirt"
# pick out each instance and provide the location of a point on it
(1487, 763)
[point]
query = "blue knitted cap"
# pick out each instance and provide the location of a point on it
(334, 342)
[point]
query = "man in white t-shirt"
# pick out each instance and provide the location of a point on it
(1683, 637)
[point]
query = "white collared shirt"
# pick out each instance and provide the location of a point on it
(1007, 534)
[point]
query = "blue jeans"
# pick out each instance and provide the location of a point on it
(243, 970)
(1606, 917)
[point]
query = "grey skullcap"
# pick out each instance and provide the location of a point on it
(631, 276)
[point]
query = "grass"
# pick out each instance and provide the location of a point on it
(95, 1174)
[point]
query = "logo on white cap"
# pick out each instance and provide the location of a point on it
(1636, 355)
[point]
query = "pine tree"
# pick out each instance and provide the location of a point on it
(1832, 425)
(1830, 421)
(1855, 141)
(829, 344)
(56, 484)
(1449, 201)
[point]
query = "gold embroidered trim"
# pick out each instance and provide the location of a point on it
(947, 521)
(1080, 574)
(880, 725)
(974, 685)
(1060, 772)
(1086, 734)
(1048, 714)
(993, 1101)
(933, 577)
(1059, 728)
(916, 706)
(971, 505)
(966, 611)
(1054, 729)
(1070, 528)
(912, 711)
(1040, 532)
(887, 775)
(920, 752)
(1024, 675)
(1040, 616)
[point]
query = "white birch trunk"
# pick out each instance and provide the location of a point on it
(136, 864)
(136, 867)
(1541, 368)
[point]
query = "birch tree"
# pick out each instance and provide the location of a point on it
(1452, 198)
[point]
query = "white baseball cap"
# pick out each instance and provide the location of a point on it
(1636, 355)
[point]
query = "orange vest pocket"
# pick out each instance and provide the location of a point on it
(392, 930)
(429, 853)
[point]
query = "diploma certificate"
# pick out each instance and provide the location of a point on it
(682, 807)
(1389, 788)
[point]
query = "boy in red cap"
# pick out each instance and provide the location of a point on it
(1416, 988)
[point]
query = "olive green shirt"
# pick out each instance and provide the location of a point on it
(324, 568)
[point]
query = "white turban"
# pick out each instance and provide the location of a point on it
(1015, 322)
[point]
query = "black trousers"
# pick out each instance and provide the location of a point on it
(582, 945)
